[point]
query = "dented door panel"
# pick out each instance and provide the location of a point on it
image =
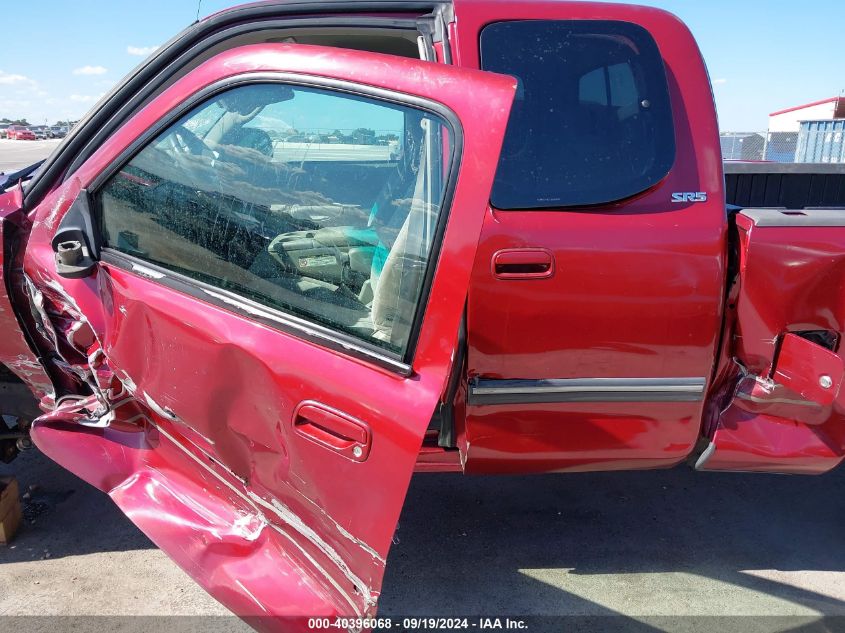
(783, 409)
(185, 412)
(204, 520)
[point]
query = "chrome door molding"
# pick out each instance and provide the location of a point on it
(549, 390)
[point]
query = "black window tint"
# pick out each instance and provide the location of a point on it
(318, 203)
(623, 86)
(592, 88)
(592, 122)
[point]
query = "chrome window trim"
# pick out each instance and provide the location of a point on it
(258, 312)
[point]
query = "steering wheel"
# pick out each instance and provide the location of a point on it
(185, 143)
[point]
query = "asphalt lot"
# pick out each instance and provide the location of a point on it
(632, 545)
(17, 154)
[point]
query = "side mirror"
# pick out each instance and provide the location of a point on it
(75, 243)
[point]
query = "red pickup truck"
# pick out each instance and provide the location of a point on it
(311, 247)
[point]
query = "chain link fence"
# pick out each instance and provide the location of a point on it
(815, 142)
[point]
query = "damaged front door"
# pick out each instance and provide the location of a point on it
(255, 291)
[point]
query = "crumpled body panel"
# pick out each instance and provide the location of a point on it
(783, 409)
(199, 404)
(14, 350)
(226, 544)
(768, 428)
(185, 411)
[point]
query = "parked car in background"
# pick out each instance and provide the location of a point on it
(41, 131)
(20, 133)
(58, 131)
(3, 128)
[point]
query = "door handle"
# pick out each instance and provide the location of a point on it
(523, 263)
(333, 430)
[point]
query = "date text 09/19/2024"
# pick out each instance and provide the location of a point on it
(417, 623)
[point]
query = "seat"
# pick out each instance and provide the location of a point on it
(397, 287)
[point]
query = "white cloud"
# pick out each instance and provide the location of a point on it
(14, 104)
(90, 70)
(7, 79)
(82, 98)
(141, 51)
(720, 82)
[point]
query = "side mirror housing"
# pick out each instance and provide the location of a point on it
(75, 243)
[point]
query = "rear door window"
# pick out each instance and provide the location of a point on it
(592, 122)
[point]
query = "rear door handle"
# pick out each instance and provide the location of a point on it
(523, 263)
(333, 430)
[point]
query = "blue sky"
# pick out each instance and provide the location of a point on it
(763, 55)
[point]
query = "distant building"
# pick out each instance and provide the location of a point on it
(807, 133)
(789, 120)
(742, 145)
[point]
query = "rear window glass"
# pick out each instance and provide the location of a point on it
(592, 119)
